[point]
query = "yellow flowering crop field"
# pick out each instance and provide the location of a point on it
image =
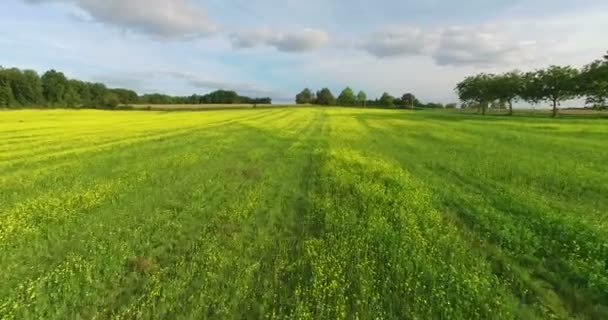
(311, 213)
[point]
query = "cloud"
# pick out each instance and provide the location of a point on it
(168, 19)
(399, 41)
(480, 46)
(294, 41)
(462, 46)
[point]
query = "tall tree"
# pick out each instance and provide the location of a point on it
(476, 89)
(386, 100)
(97, 93)
(325, 97)
(346, 97)
(362, 98)
(6, 94)
(409, 101)
(72, 98)
(554, 84)
(304, 97)
(594, 82)
(54, 86)
(507, 88)
(128, 96)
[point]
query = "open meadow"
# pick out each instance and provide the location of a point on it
(308, 213)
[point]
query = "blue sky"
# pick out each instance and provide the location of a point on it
(277, 47)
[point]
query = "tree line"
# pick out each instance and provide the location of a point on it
(554, 85)
(347, 97)
(23, 88)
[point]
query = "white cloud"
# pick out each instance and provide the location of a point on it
(481, 46)
(398, 41)
(293, 41)
(169, 19)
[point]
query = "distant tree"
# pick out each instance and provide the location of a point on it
(126, 96)
(110, 100)
(72, 98)
(477, 90)
(434, 105)
(594, 82)
(157, 98)
(409, 101)
(362, 98)
(304, 97)
(325, 97)
(6, 95)
(25, 85)
(54, 87)
(346, 97)
(386, 100)
(81, 90)
(98, 93)
(222, 97)
(554, 84)
(507, 88)
(451, 106)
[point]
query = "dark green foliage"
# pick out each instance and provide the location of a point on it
(594, 82)
(304, 97)
(125, 96)
(6, 95)
(554, 84)
(507, 88)
(325, 98)
(434, 105)
(54, 89)
(409, 100)
(347, 98)
(362, 99)
(387, 101)
(478, 90)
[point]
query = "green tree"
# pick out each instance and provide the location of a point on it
(6, 94)
(304, 97)
(554, 84)
(110, 100)
(409, 101)
(347, 97)
(72, 98)
(507, 88)
(97, 93)
(25, 85)
(386, 100)
(477, 90)
(594, 82)
(54, 87)
(362, 99)
(127, 96)
(325, 97)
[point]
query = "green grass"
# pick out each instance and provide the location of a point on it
(313, 213)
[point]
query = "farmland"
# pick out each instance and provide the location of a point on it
(302, 213)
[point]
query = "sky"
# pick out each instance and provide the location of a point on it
(277, 47)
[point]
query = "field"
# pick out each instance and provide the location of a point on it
(313, 213)
(200, 106)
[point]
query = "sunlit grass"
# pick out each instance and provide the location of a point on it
(302, 213)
